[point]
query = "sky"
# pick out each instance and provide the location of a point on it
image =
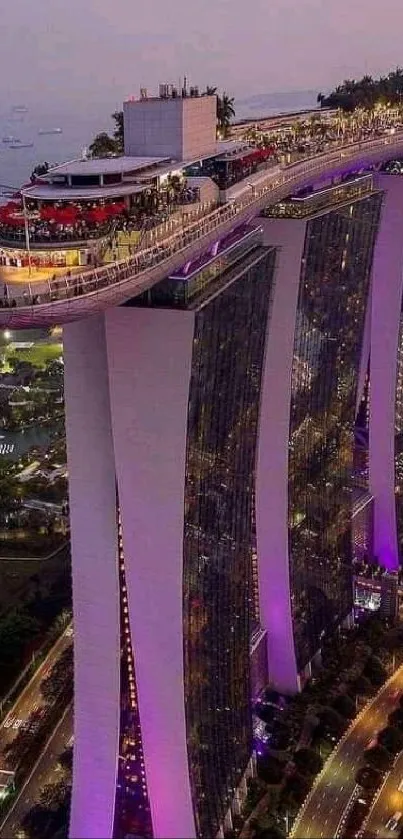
(77, 54)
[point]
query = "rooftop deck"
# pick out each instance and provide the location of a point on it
(69, 298)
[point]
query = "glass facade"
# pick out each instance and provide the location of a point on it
(187, 285)
(333, 291)
(303, 206)
(219, 608)
(399, 441)
(132, 809)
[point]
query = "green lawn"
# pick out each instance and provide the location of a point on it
(39, 355)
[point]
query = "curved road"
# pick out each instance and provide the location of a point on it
(388, 802)
(44, 772)
(30, 699)
(325, 806)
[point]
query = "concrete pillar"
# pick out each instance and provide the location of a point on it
(149, 357)
(387, 284)
(272, 460)
(92, 492)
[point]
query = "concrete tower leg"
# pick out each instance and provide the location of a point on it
(272, 461)
(149, 355)
(386, 313)
(92, 491)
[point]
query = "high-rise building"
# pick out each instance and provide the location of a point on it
(210, 433)
(162, 508)
(385, 415)
(304, 490)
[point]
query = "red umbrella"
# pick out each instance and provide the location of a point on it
(12, 206)
(115, 209)
(48, 213)
(16, 221)
(66, 214)
(97, 214)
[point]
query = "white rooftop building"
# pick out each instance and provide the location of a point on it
(180, 127)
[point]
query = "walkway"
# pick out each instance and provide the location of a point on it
(69, 298)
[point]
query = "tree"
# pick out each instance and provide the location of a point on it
(271, 832)
(40, 169)
(66, 760)
(362, 686)
(368, 777)
(118, 133)
(365, 92)
(375, 671)
(225, 113)
(16, 629)
(378, 757)
(294, 792)
(332, 721)
(103, 145)
(307, 761)
(270, 769)
(54, 795)
(392, 739)
(345, 706)
(395, 718)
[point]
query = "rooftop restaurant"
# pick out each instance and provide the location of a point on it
(80, 212)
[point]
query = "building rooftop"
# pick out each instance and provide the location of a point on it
(104, 166)
(49, 192)
(231, 146)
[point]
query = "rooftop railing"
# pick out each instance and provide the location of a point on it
(272, 187)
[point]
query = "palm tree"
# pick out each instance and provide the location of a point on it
(210, 91)
(225, 112)
(118, 133)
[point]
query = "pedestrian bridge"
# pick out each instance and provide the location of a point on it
(65, 299)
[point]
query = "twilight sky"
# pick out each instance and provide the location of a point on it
(95, 50)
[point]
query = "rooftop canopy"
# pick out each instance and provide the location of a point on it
(48, 192)
(104, 166)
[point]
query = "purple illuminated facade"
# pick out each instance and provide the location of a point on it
(326, 241)
(384, 379)
(162, 486)
(210, 445)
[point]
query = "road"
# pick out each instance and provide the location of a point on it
(30, 699)
(330, 795)
(44, 772)
(390, 801)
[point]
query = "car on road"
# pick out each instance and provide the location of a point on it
(393, 822)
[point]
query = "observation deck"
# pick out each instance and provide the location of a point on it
(76, 296)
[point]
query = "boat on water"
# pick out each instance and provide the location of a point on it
(9, 139)
(18, 144)
(20, 109)
(45, 131)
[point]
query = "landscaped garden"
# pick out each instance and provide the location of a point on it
(304, 732)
